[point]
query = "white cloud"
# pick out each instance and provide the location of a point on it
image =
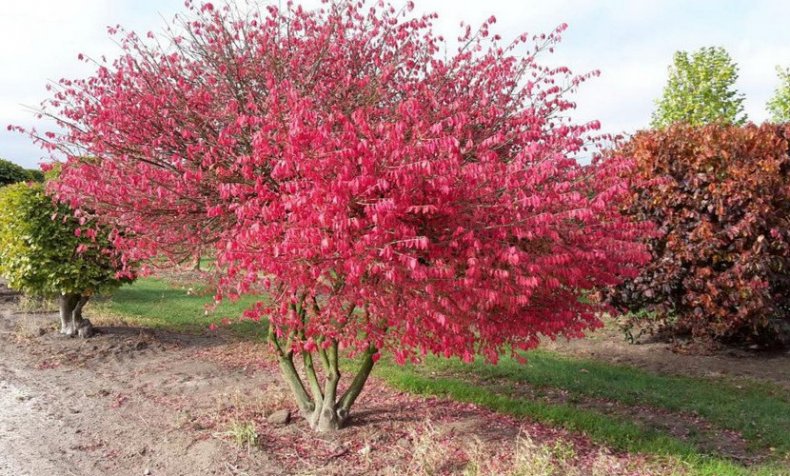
(631, 42)
(39, 42)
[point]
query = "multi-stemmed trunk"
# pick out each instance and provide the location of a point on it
(321, 406)
(72, 323)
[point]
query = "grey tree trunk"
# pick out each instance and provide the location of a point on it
(72, 323)
(321, 407)
(328, 418)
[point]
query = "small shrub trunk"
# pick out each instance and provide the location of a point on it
(72, 323)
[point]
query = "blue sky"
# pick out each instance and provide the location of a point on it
(631, 42)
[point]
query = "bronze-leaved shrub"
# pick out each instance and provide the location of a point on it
(720, 196)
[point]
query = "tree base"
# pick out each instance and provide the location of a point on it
(328, 419)
(83, 329)
(72, 323)
(321, 407)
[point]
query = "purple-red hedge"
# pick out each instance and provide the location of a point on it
(721, 198)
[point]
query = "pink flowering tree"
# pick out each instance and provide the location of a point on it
(387, 195)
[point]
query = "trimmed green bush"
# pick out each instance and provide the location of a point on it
(46, 251)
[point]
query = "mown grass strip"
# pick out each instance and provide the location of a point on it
(158, 304)
(761, 413)
(615, 432)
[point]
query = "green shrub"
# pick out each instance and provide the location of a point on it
(12, 173)
(35, 175)
(45, 251)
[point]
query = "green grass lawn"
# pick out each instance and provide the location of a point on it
(760, 412)
(154, 303)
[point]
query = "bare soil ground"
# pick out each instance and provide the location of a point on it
(133, 401)
(608, 345)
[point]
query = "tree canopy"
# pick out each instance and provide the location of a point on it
(13, 173)
(779, 104)
(45, 251)
(700, 90)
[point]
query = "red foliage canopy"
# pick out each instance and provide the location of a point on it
(387, 195)
(721, 197)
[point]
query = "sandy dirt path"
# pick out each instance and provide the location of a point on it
(23, 418)
(116, 404)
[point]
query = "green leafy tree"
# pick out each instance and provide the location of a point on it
(779, 104)
(12, 173)
(46, 251)
(700, 90)
(35, 175)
